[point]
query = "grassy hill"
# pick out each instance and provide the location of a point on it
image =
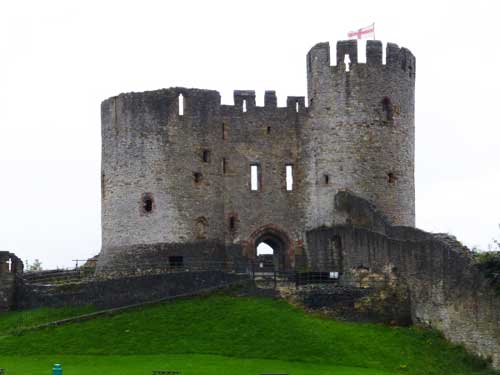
(242, 335)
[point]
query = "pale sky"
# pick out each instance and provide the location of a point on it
(60, 59)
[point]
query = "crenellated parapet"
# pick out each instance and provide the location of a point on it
(396, 58)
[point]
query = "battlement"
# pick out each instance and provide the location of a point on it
(181, 102)
(397, 59)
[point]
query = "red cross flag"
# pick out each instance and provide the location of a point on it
(362, 32)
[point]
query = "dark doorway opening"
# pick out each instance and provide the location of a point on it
(270, 253)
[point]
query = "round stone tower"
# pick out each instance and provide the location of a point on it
(161, 177)
(362, 130)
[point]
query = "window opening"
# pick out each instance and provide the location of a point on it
(297, 106)
(326, 178)
(254, 177)
(387, 109)
(181, 105)
(268, 130)
(289, 177)
(147, 203)
(244, 105)
(206, 156)
(232, 223)
(391, 178)
(197, 177)
(224, 163)
(224, 134)
(347, 62)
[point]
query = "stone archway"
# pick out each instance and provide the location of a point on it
(278, 240)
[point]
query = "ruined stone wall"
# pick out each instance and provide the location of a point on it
(10, 269)
(447, 291)
(362, 130)
(123, 291)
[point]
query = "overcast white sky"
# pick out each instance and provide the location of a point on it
(60, 59)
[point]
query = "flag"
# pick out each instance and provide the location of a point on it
(362, 32)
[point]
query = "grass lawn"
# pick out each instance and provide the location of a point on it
(187, 364)
(238, 334)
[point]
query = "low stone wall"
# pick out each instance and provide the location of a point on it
(120, 292)
(376, 304)
(446, 291)
(161, 257)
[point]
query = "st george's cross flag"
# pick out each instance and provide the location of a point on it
(364, 31)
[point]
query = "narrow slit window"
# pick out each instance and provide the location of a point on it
(206, 156)
(224, 165)
(326, 178)
(297, 106)
(254, 177)
(268, 130)
(147, 203)
(181, 105)
(387, 109)
(244, 105)
(289, 177)
(347, 62)
(224, 135)
(232, 223)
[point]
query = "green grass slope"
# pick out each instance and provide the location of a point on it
(245, 328)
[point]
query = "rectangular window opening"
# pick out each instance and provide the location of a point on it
(254, 177)
(181, 105)
(289, 177)
(244, 105)
(224, 165)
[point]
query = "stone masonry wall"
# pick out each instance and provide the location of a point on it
(446, 289)
(10, 268)
(362, 130)
(123, 291)
(176, 162)
(195, 168)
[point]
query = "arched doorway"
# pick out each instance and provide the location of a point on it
(270, 249)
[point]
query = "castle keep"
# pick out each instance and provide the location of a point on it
(191, 187)
(177, 165)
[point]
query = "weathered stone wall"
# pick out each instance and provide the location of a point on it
(150, 150)
(270, 138)
(362, 130)
(447, 291)
(121, 292)
(10, 269)
(171, 177)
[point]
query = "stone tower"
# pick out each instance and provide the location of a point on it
(361, 119)
(177, 164)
